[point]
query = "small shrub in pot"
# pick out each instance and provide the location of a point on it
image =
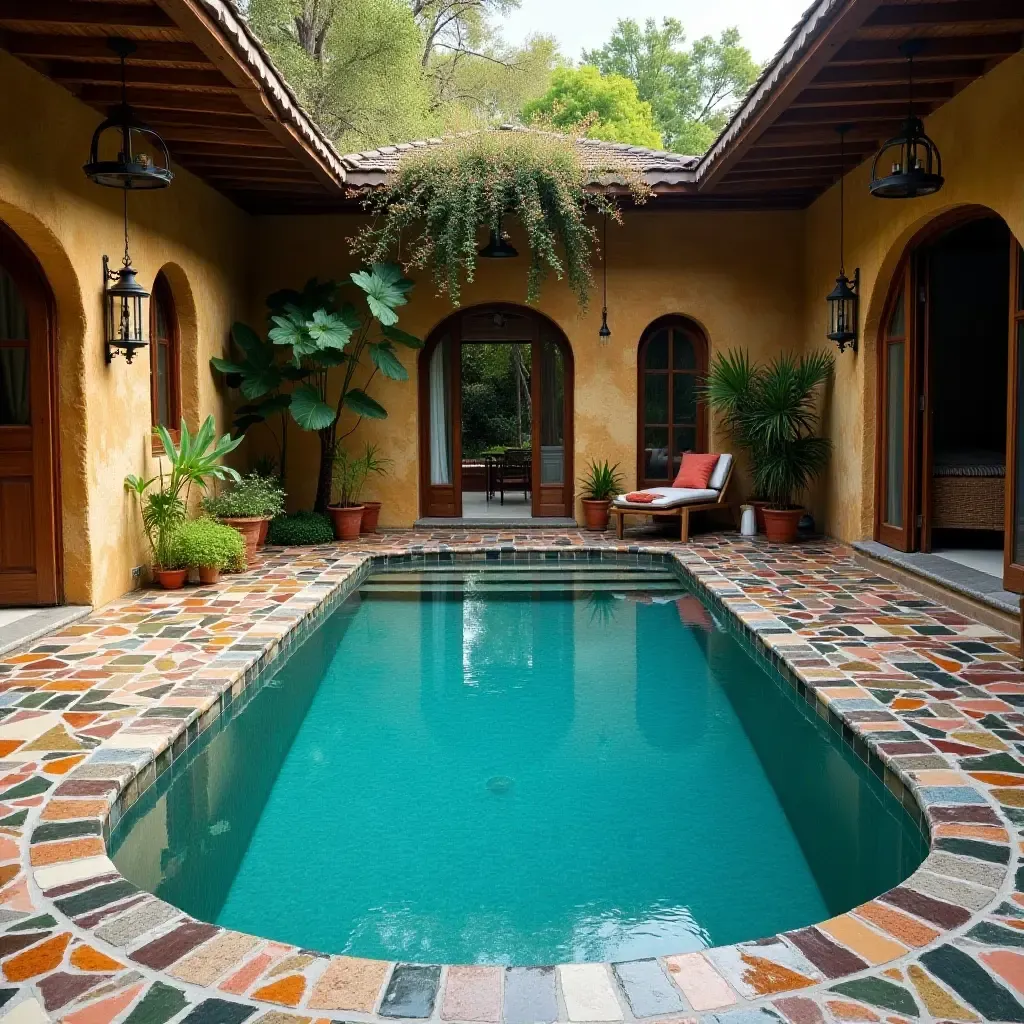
(208, 546)
(600, 485)
(248, 507)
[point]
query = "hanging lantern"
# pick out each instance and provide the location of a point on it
(842, 300)
(498, 248)
(604, 334)
(121, 132)
(914, 161)
(123, 315)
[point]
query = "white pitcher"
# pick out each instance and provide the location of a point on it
(748, 521)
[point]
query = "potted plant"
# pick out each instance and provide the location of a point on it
(248, 507)
(600, 485)
(194, 460)
(349, 473)
(376, 465)
(771, 412)
(208, 546)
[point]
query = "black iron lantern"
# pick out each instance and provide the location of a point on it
(914, 161)
(123, 311)
(498, 247)
(842, 300)
(604, 334)
(133, 168)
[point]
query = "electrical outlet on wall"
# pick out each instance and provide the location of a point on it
(137, 572)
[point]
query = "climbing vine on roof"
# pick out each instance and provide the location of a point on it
(444, 199)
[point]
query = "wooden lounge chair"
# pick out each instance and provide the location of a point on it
(678, 501)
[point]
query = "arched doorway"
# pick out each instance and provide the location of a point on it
(536, 469)
(30, 561)
(671, 418)
(949, 359)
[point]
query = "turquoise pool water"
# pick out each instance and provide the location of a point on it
(520, 768)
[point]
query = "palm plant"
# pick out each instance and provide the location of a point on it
(602, 481)
(771, 412)
(194, 460)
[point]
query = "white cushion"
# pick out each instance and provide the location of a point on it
(720, 472)
(670, 497)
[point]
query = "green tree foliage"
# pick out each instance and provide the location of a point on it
(356, 65)
(692, 90)
(495, 397)
(608, 106)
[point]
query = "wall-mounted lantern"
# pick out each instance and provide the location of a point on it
(842, 300)
(123, 312)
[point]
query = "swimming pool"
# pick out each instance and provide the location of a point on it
(519, 766)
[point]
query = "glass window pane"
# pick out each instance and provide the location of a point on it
(684, 398)
(898, 320)
(894, 435)
(656, 453)
(686, 441)
(14, 396)
(13, 315)
(655, 398)
(656, 357)
(441, 414)
(1018, 526)
(161, 328)
(1020, 278)
(552, 389)
(683, 355)
(163, 387)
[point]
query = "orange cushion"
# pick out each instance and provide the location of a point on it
(642, 497)
(695, 471)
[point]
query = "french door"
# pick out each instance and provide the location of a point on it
(29, 553)
(551, 384)
(1013, 551)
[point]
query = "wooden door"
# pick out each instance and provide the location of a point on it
(29, 551)
(441, 425)
(551, 428)
(1013, 543)
(896, 512)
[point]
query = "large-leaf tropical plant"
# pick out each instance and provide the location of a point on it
(317, 343)
(195, 459)
(771, 411)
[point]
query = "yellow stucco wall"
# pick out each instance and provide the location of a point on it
(981, 137)
(737, 274)
(191, 232)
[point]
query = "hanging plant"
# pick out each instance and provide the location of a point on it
(442, 195)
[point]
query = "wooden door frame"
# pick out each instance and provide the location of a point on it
(702, 351)
(537, 495)
(915, 495)
(1013, 572)
(47, 584)
(453, 327)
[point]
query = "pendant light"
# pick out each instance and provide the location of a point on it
(842, 300)
(134, 169)
(604, 334)
(123, 318)
(914, 160)
(498, 247)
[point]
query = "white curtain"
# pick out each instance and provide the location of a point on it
(440, 416)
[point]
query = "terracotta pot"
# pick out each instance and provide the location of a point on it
(264, 528)
(759, 507)
(371, 513)
(781, 523)
(347, 520)
(170, 579)
(595, 513)
(249, 528)
(209, 574)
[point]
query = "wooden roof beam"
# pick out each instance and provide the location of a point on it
(853, 113)
(111, 17)
(166, 99)
(864, 51)
(95, 48)
(937, 92)
(952, 70)
(237, 137)
(948, 12)
(92, 73)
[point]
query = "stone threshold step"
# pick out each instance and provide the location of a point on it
(495, 523)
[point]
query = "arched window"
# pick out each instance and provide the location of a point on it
(165, 359)
(671, 418)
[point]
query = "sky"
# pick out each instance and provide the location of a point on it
(580, 24)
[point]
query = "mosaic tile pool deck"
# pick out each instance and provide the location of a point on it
(91, 715)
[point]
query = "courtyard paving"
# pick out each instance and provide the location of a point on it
(91, 715)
